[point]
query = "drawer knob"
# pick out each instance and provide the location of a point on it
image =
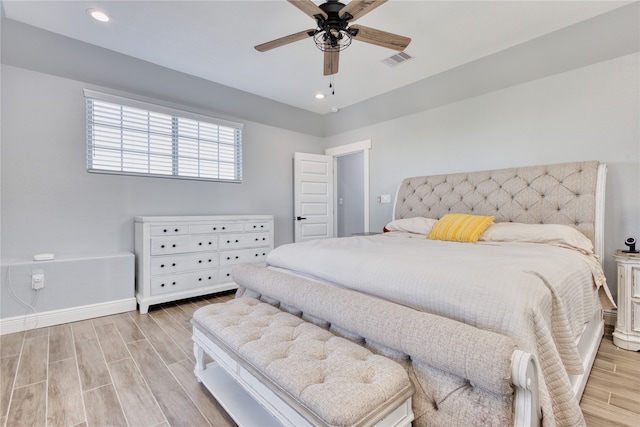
(200, 243)
(176, 230)
(162, 285)
(199, 279)
(237, 257)
(210, 243)
(236, 240)
(209, 260)
(199, 261)
(173, 283)
(161, 265)
(215, 228)
(224, 228)
(173, 246)
(164, 231)
(162, 246)
(173, 265)
(228, 241)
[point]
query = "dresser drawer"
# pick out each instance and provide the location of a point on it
(184, 281)
(216, 227)
(246, 240)
(257, 226)
(169, 230)
(181, 263)
(253, 255)
(225, 274)
(182, 244)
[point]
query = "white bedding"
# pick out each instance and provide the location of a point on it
(539, 295)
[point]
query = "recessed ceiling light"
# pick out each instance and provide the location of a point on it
(98, 15)
(320, 95)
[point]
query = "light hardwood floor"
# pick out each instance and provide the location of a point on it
(137, 370)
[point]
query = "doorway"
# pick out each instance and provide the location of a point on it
(317, 181)
(351, 184)
(349, 205)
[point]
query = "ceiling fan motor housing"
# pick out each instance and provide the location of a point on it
(333, 32)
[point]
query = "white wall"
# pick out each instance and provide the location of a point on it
(591, 113)
(51, 204)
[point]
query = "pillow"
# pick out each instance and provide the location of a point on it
(552, 234)
(417, 225)
(460, 227)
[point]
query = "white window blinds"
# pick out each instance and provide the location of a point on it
(126, 136)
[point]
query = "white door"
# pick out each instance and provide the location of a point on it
(312, 196)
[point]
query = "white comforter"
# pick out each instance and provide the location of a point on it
(539, 295)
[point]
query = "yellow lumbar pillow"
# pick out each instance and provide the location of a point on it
(460, 227)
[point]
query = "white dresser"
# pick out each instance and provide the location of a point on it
(185, 256)
(627, 331)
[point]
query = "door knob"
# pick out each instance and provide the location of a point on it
(300, 218)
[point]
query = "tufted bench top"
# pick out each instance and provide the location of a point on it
(331, 381)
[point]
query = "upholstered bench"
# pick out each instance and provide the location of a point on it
(300, 373)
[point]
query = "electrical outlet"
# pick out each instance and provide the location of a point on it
(385, 198)
(37, 279)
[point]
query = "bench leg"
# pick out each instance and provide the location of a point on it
(200, 365)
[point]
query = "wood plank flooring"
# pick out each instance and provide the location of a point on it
(122, 370)
(137, 370)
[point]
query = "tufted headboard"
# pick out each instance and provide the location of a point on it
(566, 193)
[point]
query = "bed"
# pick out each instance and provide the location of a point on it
(533, 275)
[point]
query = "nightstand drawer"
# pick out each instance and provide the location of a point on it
(635, 282)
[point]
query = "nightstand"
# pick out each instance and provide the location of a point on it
(627, 331)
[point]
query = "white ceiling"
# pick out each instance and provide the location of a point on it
(214, 39)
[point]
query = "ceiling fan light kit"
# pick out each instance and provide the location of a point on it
(333, 32)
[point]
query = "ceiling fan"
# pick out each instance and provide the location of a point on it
(334, 32)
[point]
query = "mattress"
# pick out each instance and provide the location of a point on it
(539, 295)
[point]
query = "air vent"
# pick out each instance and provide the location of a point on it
(397, 59)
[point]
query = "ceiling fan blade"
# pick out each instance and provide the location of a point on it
(358, 8)
(285, 40)
(380, 38)
(331, 59)
(309, 7)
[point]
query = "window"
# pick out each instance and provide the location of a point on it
(126, 136)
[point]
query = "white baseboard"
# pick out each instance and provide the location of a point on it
(57, 317)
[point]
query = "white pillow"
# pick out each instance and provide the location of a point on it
(552, 234)
(417, 225)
